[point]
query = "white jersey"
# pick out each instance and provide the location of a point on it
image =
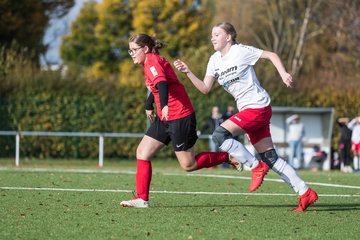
(235, 73)
(296, 132)
(355, 136)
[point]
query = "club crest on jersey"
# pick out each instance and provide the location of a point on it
(153, 71)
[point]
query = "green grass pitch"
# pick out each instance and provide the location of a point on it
(79, 201)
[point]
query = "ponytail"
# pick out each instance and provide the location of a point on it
(143, 40)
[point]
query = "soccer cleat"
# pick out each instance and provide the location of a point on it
(305, 200)
(232, 161)
(258, 174)
(135, 203)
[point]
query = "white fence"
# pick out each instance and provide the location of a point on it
(101, 137)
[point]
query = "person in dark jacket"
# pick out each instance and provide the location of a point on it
(212, 122)
(344, 144)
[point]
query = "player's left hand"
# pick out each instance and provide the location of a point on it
(287, 79)
(165, 113)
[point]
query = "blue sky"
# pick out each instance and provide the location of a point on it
(57, 28)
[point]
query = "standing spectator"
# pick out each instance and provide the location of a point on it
(344, 144)
(211, 124)
(355, 138)
(296, 133)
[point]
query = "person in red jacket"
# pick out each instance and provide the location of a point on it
(174, 121)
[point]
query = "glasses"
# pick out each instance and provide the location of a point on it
(133, 51)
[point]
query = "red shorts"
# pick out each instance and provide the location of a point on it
(355, 147)
(255, 122)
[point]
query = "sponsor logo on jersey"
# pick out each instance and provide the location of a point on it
(227, 84)
(230, 69)
(153, 71)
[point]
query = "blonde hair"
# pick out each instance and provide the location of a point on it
(229, 29)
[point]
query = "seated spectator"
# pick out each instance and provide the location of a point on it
(317, 159)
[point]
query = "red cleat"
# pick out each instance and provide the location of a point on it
(305, 200)
(258, 175)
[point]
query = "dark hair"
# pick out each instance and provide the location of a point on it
(143, 40)
(229, 29)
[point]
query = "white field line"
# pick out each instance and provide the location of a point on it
(168, 192)
(59, 170)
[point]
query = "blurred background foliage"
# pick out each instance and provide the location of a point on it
(99, 89)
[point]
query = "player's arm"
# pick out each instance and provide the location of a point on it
(162, 86)
(276, 61)
(149, 102)
(149, 107)
(203, 86)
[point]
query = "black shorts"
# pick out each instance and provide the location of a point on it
(181, 132)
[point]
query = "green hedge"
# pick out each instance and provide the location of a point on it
(53, 111)
(48, 102)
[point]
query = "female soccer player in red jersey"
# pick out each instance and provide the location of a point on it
(232, 67)
(175, 120)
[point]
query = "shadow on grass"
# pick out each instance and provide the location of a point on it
(336, 207)
(315, 207)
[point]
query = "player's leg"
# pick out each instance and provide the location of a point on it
(222, 137)
(268, 154)
(145, 151)
(154, 139)
(183, 137)
(247, 121)
(191, 162)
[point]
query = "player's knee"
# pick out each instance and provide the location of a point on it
(138, 152)
(220, 135)
(188, 167)
(141, 153)
(269, 157)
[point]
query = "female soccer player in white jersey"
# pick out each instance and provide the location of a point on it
(175, 120)
(232, 67)
(354, 125)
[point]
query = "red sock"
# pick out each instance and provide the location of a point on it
(143, 179)
(210, 159)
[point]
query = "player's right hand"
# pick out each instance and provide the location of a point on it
(150, 114)
(181, 66)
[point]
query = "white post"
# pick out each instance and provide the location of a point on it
(17, 150)
(101, 151)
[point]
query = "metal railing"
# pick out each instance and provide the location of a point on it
(100, 135)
